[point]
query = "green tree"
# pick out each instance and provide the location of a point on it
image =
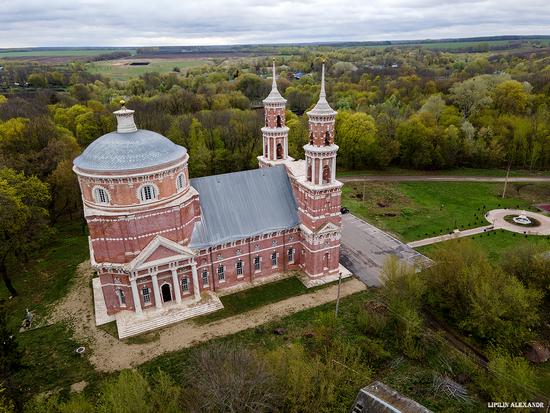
(37, 80)
(199, 155)
(355, 134)
(23, 219)
(511, 97)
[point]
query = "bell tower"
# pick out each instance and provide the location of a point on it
(319, 199)
(275, 132)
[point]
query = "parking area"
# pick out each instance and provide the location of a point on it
(365, 248)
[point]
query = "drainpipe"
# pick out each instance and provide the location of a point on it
(250, 259)
(212, 270)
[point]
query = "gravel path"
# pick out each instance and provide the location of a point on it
(110, 354)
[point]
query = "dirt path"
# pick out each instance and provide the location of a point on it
(441, 178)
(110, 354)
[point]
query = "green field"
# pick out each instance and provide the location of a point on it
(445, 172)
(496, 244)
(417, 210)
(59, 53)
(121, 70)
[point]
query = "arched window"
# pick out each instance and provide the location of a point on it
(121, 297)
(180, 181)
(266, 151)
(326, 174)
(147, 193)
(311, 138)
(279, 151)
(309, 173)
(327, 138)
(101, 196)
(279, 121)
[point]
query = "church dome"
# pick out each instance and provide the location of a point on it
(128, 148)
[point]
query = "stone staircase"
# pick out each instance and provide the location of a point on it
(129, 324)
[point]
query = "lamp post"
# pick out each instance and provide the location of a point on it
(338, 295)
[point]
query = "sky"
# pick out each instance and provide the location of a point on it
(218, 22)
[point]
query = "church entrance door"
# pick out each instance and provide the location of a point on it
(166, 293)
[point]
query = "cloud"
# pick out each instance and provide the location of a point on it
(192, 22)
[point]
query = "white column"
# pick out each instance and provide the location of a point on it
(135, 296)
(334, 169)
(320, 171)
(286, 147)
(156, 292)
(196, 287)
(177, 291)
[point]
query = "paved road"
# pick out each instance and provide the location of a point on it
(441, 178)
(365, 248)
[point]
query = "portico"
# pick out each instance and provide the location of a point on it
(164, 265)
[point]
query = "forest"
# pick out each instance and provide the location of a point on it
(398, 106)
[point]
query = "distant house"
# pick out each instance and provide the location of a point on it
(395, 66)
(298, 75)
(379, 398)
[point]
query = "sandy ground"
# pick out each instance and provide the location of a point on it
(110, 354)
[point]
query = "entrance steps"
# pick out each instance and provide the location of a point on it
(131, 324)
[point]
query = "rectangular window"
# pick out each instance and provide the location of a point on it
(257, 264)
(291, 255)
(204, 277)
(239, 268)
(185, 284)
(274, 259)
(221, 273)
(146, 295)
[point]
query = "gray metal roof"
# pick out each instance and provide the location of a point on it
(127, 151)
(242, 204)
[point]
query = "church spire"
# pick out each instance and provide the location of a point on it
(322, 107)
(274, 96)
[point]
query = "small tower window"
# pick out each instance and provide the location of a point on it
(326, 174)
(101, 196)
(311, 138)
(279, 151)
(309, 173)
(327, 138)
(180, 180)
(279, 121)
(147, 193)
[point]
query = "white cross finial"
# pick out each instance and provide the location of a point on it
(274, 84)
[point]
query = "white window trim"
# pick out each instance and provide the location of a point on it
(237, 268)
(155, 188)
(94, 195)
(259, 264)
(185, 280)
(120, 294)
(222, 280)
(276, 259)
(205, 284)
(148, 302)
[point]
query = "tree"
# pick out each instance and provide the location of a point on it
(222, 378)
(23, 219)
(511, 97)
(37, 80)
(355, 132)
(434, 105)
(199, 155)
(127, 393)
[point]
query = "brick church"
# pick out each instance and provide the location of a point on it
(161, 241)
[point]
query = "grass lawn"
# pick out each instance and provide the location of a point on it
(256, 297)
(495, 243)
(445, 172)
(121, 70)
(417, 210)
(47, 276)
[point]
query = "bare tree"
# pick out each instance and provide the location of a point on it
(226, 378)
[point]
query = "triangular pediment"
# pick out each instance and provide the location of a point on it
(160, 251)
(328, 227)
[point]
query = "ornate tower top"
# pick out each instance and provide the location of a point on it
(322, 108)
(274, 97)
(125, 119)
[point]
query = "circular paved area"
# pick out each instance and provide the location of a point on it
(496, 217)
